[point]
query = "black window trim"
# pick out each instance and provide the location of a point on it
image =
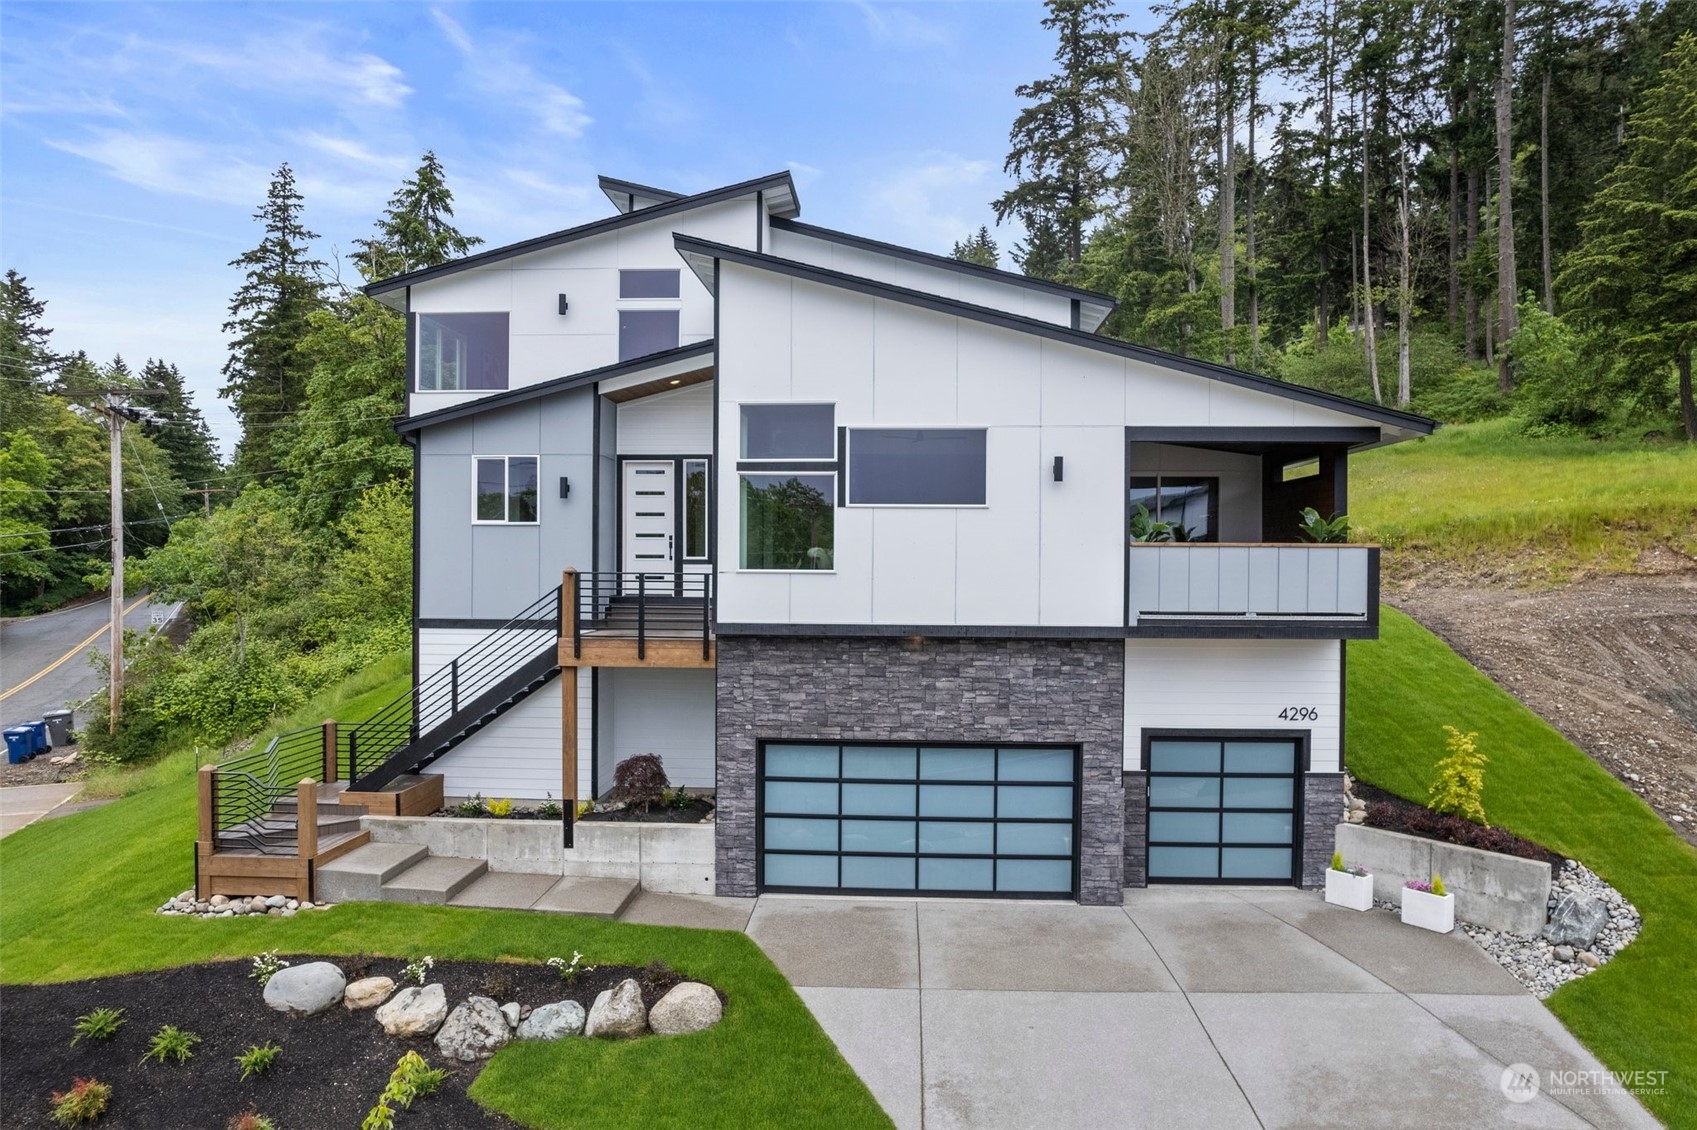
(415, 350)
(846, 445)
(1155, 481)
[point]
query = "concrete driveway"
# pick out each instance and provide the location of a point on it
(1194, 1006)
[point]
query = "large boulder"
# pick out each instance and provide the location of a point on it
(618, 1013)
(552, 1021)
(301, 990)
(688, 1007)
(414, 1011)
(474, 1030)
(1576, 920)
(367, 992)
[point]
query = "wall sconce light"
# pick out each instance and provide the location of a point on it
(1059, 468)
(562, 304)
(565, 487)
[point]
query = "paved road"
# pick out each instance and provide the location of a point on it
(30, 645)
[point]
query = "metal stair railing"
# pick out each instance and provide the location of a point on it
(644, 606)
(246, 791)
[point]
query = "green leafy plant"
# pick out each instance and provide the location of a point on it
(266, 966)
(569, 971)
(380, 1117)
(1438, 885)
(1145, 527)
(550, 809)
(1459, 784)
(101, 1024)
(84, 1102)
(257, 1059)
(411, 1080)
(1337, 861)
(171, 1042)
(1316, 528)
(250, 1120)
(501, 809)
(1339, 865)
(584, 808)
(473, 805)
(418, 971)
(681, 798)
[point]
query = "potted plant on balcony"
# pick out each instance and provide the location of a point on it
(1428, 905)
(1324, 530)
(1348, 886)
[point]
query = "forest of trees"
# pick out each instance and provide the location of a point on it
(1468, 208)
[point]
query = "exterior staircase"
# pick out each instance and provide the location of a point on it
(409, 873)
(277, 831)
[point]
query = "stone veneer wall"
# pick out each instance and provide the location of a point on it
(1136, 829)
(1322, 812)
(906, 689)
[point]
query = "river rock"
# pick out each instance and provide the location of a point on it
(511, 1011)
(474, 1030)
(367, 992)
(414, 1011)
(1577, 920)
(301, 990)
(618, 1013)
(552, 1021)
(688, 1007)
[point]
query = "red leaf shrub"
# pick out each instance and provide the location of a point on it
(1416, 820)
(640, 781)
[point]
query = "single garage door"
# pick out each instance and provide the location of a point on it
(931, 819)
(1223, 809)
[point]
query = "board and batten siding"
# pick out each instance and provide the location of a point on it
(679, 422)
(1234, 685)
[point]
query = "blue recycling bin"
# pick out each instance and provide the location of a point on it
(20, 744)
(38, 736)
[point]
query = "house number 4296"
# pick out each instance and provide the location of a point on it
(1300, 714)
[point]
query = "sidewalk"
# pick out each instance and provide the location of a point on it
(22, 805)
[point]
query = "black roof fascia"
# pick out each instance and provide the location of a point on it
(949, 263)
(558, 384)
(690, 245)
(582, 231)
(631, 188)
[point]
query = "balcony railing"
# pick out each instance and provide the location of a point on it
(1234, 583)
(641, 607)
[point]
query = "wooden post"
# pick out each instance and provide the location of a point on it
(329, 750)
(208, 818)
(568, 736)
(306, 819)
(568, 606)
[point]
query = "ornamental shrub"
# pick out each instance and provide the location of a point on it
(640, 781)
(1460, 780)
(84, 1102)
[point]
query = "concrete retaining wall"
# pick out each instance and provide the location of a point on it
(1500, 892)
(669, 858)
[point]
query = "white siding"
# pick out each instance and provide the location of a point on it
(670, 423)
(1233, 685)
(667, 713)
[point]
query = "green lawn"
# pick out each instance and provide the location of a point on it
(1485, 497)
(1637, 1012)
(79, 894)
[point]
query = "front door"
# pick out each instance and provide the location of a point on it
(649, 518)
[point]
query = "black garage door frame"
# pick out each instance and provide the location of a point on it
(1304, 746)
(760, 814)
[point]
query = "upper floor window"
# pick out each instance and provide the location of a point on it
(506, 488)
(916, 466)
(642, 332)
(648, 284)
(454, 352)
(787, 486)
(788, 431)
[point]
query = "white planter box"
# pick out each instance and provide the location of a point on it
(1428, 911)
(1352, 891)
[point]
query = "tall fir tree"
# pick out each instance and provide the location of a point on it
(266, 374)
(416, 230)
(1066, 141)
(27, 363)
(979, 248)
(184, 437)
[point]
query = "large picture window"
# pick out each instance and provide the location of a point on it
(916, 467)
(1188, 504)
(506, 489)
(642, 332)
(458, 352)
(787, 520)
(788, 431)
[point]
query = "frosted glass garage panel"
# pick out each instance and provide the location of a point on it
(1033, 875)
(802, 797)
(801, 761)
(957, 764)
(801, 871)
(801, 835)
(891, 762)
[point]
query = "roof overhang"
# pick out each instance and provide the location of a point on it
(701, 256)
(628, 196)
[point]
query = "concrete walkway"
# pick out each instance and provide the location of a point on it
(22, 805)
(1196, 1006)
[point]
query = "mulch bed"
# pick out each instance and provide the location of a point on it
(331, 1070)
(692, 813)
(1399, 814)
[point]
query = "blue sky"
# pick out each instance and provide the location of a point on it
(138, 139)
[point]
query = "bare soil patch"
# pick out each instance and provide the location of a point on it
(1611, 662)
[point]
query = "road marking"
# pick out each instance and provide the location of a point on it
(75, 651)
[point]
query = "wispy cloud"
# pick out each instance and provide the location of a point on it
(352, 151)
(931, 200)
(494, 68)
(174, 165)
(901, 27)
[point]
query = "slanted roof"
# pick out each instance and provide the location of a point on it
(1093, 306)
(659, 362)
(628, 196)
(779, 194)
(701, 254)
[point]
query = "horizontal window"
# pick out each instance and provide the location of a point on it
(786, 521)
(648, 284)
(1167, 508)
(916, 466)
(506, 489)
(789, 431)
(454, 352)
(642, 332)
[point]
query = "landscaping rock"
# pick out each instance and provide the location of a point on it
(618, 1013)
(1564, 953)
(511, 1011)
(552, 1021)
(257, 905)
(474, 1030)
(689, 1007)
(414, 1011)
(1577, 920)
(367, 992)
(302, 990)
(1533, 960)
(276, 900)
(1588, 959)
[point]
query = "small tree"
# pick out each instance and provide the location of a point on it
(1460, 782)
(640, 781)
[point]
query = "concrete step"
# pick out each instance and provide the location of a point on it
(434, 879)
(590, 897)
(360, 874)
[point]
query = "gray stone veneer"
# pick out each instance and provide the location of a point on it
(911, 689)
(1136, 829)
(1322, 812)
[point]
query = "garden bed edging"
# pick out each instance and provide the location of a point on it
(1500, 892)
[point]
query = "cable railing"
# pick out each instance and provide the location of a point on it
(644, 606)
(246, 791)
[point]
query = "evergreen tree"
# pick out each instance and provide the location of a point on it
(1632, 282)
(1043, 255)
(980, 249)
(265, 372)
(26, 361)
(1066, 140)
(416, 229)
(185, 438)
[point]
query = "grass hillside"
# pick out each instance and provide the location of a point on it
(1494, 502)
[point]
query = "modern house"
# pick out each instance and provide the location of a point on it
(842, 531)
